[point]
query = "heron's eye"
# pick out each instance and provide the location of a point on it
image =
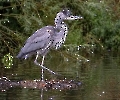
(48, 30)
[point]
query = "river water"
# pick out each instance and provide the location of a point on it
(99, 77)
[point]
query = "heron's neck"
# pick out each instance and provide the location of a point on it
(60, 25)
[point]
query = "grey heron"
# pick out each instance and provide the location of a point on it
(46, 38)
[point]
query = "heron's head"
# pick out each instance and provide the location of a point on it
(67, 15)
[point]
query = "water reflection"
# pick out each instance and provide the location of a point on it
(100, 79)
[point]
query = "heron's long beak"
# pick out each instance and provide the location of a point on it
(73, 17)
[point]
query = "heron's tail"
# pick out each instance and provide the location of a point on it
(20, 55)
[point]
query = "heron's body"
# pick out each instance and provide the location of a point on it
(47, 37)
(44, 39)
(39, 41)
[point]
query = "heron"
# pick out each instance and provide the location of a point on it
(48, 37)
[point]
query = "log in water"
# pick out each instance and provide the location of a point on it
(5, 84)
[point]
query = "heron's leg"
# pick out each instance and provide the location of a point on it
(42, 68)
(36, 57)
(42, 77)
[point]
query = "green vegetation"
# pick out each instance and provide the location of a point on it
(100, 28)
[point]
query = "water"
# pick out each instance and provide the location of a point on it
(100, 78)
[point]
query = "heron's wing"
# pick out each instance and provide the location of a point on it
(41, 34)
(39, 40)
